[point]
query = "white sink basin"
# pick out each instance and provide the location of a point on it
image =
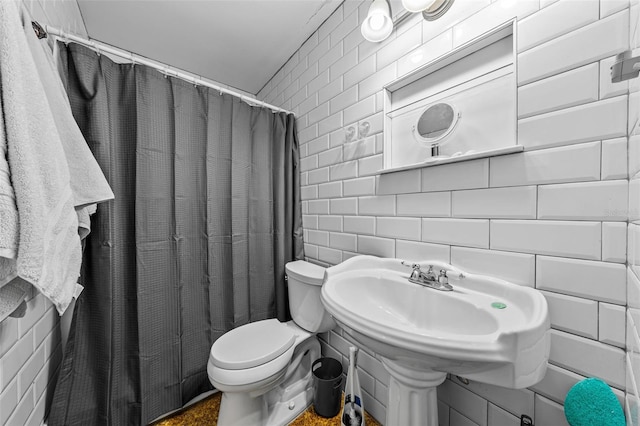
(486, 329)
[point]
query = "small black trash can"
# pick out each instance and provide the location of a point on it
(327, 386)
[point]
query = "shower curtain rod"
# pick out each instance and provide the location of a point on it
(165, 69)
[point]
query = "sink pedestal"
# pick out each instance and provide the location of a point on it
(412, 395)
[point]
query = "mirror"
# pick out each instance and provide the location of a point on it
(435, 122)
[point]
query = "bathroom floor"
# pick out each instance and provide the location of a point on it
(205, 412)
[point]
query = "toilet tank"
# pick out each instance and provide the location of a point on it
(305, 282)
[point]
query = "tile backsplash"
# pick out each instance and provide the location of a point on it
(563, 216)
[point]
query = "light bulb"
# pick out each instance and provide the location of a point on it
(376, 22)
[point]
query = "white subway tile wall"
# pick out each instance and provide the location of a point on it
(563, 216)
(30, 347)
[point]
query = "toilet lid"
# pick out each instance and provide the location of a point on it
(252, 344)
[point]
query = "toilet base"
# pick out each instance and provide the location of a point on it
(286, 399)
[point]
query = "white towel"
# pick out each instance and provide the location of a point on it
(49, 253)
(8, 209)
(88, 183)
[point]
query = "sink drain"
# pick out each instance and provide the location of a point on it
(498, 305)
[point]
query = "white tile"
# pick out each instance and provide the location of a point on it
(490, 17)
(634, 155)
(360, 110)
(457, 419)
(553, 21)
(573, 314)
(320, 238)
(556, 238)
(311, 251)
(633, 290)
(517, 268)
(359, 149)
(329, 255)
(510, 202)
(344, 206)
(330, 223)
(309, 74)
(374, 83)
(318, 207)
(330, 57)
(575, 163)
(609, 7)
(588, 357)
(360, 224)
(330, 90)
(614, 242)
(614, 159)
(463, 175)
(556, 383)
(346, 170)
(364, 69)
(309, 192)
(604, 38)
(329, 157)
(594, 121)
(633, 246)
(426, 53)
(347, 25)
(593, 280)
(429, 204)
(460, 232)
(329, 124)
(458, 12)
(402, 44)
(549, 413)
(310, 221)
(319, 175)
(370, 165)
(316, 84)
(309, 163)
(564, 90)
(498, 416)
(611, 326)
(634, 199)
(330, 190)
(463, 401)
(417, 252)
(345, 99)
(376, 246)
(318, 145)
(343, 241)
(308, 134)
(609, 89)
(515, 401)
(383, 205)
(605, 200)
(399, 182)
(360, 186)
(407, 228)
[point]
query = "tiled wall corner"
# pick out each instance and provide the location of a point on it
(563, 217)
(30, 347)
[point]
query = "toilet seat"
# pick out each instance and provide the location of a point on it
(252, 345)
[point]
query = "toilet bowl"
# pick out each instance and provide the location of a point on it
(264, 368)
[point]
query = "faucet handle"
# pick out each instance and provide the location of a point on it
(413, 266)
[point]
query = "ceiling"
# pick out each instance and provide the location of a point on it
(239, 43)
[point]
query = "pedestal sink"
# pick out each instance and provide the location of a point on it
(486, 329)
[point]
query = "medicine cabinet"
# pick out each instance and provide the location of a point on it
(461, 106)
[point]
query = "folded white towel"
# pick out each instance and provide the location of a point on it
(88, 184)
(49, 252)
(8, 209)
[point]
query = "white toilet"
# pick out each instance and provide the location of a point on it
(264, 368)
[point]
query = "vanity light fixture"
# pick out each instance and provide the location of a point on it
(378, 24)
(415, 6)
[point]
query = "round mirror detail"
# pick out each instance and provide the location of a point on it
(435, 122)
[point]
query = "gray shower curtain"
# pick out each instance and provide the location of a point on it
(207, 212)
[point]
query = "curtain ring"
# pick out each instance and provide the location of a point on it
(166, 71)
(133, 60)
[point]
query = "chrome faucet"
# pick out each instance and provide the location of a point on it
(429, 279)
